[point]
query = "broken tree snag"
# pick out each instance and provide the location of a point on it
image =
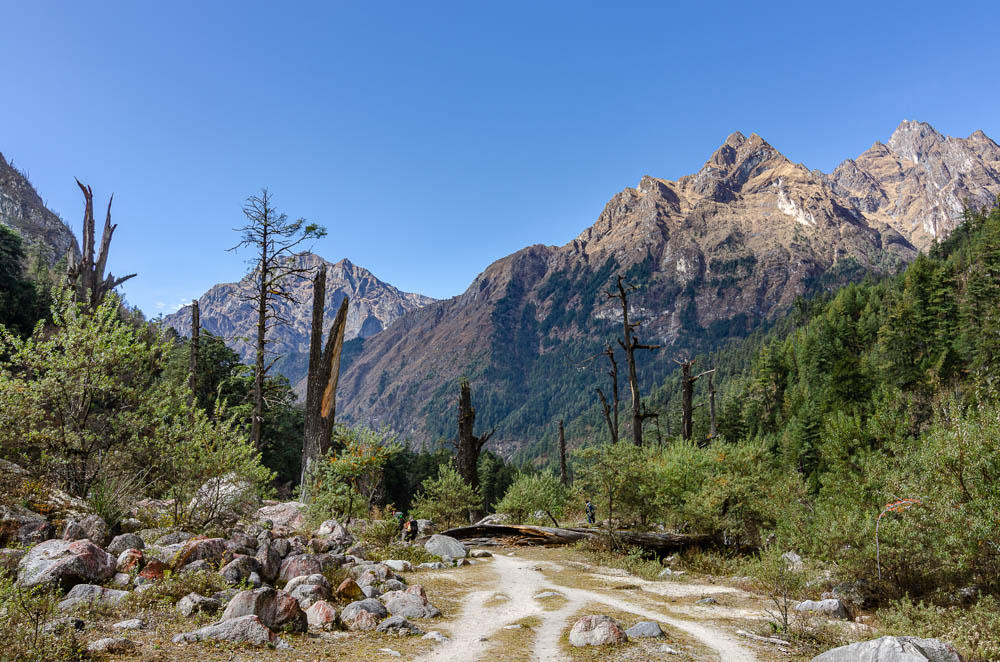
(687, 396)
(547, 535)
(193, 358)
(630, 344)
(321, 382)
(468, 445)
(86, 276)
(563, 475)
(711, 408)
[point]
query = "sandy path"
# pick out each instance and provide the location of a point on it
(520, 580)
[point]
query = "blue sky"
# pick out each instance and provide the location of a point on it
(432, 138)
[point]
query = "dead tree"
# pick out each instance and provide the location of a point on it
(611, 414)
(321, 383)
(563, 475)
(274, 239)
(630, 344)
(193, 357)
(687, 394)
(86, 277)
(468, 445)
(711, 407)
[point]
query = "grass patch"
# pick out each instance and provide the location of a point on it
(974, 630)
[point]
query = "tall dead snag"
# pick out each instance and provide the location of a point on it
(564, 477)
(321, 383)
(86, 277)
(611, 414)
(711, 407)
(630, 344)
(468, 445)
(687, 394)
(193, 357)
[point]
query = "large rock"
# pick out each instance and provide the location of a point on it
(445, 546)
(112, 646)
(269, 561)
(66, 564)
(349, 590)
(223, 499)
(201, 549)
(276, 609)
(244, 630)
(125, 541)
(645, 630)
(88, 593)
(597, 630)
(322, 615)
(411, 603)
(305, 580)
(193, 603)
(833, 608)
(96, 529)
(306, 564)
(363, 614)
(893, 649)
(129, 560)
(398, 625)
(308, 594)
(239, 569)
(23, 525)
(10, 557)
(285, 518)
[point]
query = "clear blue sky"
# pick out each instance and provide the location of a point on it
(432, 138)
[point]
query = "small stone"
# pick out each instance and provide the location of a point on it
(515, 626)
(193, 603)
(389, 651)
(666, 572)
(548, 594)
(398, 625)
(111, 646)
(707, 601)
(60, 625)
(435, 636)
(130, 624)
(645, 630)
(480, 554)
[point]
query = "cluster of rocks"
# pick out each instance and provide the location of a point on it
(264, 556)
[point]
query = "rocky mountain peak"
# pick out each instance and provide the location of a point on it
(914, 140)
(22, 208)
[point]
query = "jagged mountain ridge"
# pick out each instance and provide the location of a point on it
(21, 208)
(374, 305)
(715, 253)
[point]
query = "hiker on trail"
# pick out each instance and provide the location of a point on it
(410, 530)
(400, 520)
(591, 511)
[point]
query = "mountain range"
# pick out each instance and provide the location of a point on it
(21, 208)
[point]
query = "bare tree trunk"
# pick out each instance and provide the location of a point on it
(711, 408)
(193, 359)
(468, 445)
(87, 276)
(564, 476)
(630, 344)
(606, 408)
(613, 372)
(687, 395)
(321, 383)
(257, 418)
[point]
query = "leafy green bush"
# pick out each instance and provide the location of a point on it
(531, 493)
(346, 483)
(974, 630)
(174, 586)
(446, 499)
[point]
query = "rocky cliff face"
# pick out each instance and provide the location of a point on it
(713, 254)
(920, 181)
(374, 305)
(22, 209)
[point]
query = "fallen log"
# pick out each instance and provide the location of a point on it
(546, 535)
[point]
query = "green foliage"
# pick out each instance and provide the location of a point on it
(348, 482)
(23, 612)
(20, 304)
(531, 493)
(782, 584)
(613, 476)
(174, 586)
(446, 499)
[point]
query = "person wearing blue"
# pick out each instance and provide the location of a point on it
(590, 511)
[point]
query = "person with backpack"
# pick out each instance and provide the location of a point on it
(591, 512)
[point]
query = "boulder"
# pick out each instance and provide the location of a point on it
(393, 585)
(152, 572)
(893, 649)
(66, 564)
(363, 614)
(645, 630)
(285, 518)
(282, 546)
(597, 630)
(200, 549)
(445, 546)
(299, 565)
(173, 538)
(333, 529)
(130, 624)
(222, 499)
(244, 630)
(409, 604)
(322, 615)
(269, 561)
(239, 569)
(112, 646)
(130, 525)
(425, 527)
(399, 626)
(200, 565)
(276, 609)
(305, 580)
(480, 554)
(792, 560)
(96, 529)
(73, 531)
(399, 566)
(129, 560)
(192, 603)
(436, 565)
(307, 594)
(121, 580)
(349, 590)
(833, 608)
(90, 593)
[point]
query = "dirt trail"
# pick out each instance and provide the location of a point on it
(520, 580)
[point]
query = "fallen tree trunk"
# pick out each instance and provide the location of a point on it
(546, 535)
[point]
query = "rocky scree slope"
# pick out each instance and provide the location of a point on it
(714, 254)
(374, 305)
(22, 209)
